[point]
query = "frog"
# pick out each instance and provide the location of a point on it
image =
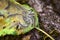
(15, 18)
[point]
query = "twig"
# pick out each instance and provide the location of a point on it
(45, 33)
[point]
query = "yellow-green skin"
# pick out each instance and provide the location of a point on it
(7, 22)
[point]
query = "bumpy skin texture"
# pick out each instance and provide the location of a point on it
(16, 19)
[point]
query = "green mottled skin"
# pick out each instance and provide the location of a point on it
(7, 21)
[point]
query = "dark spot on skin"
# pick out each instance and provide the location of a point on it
(13, 21)
(17, 27)
(4, 27)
